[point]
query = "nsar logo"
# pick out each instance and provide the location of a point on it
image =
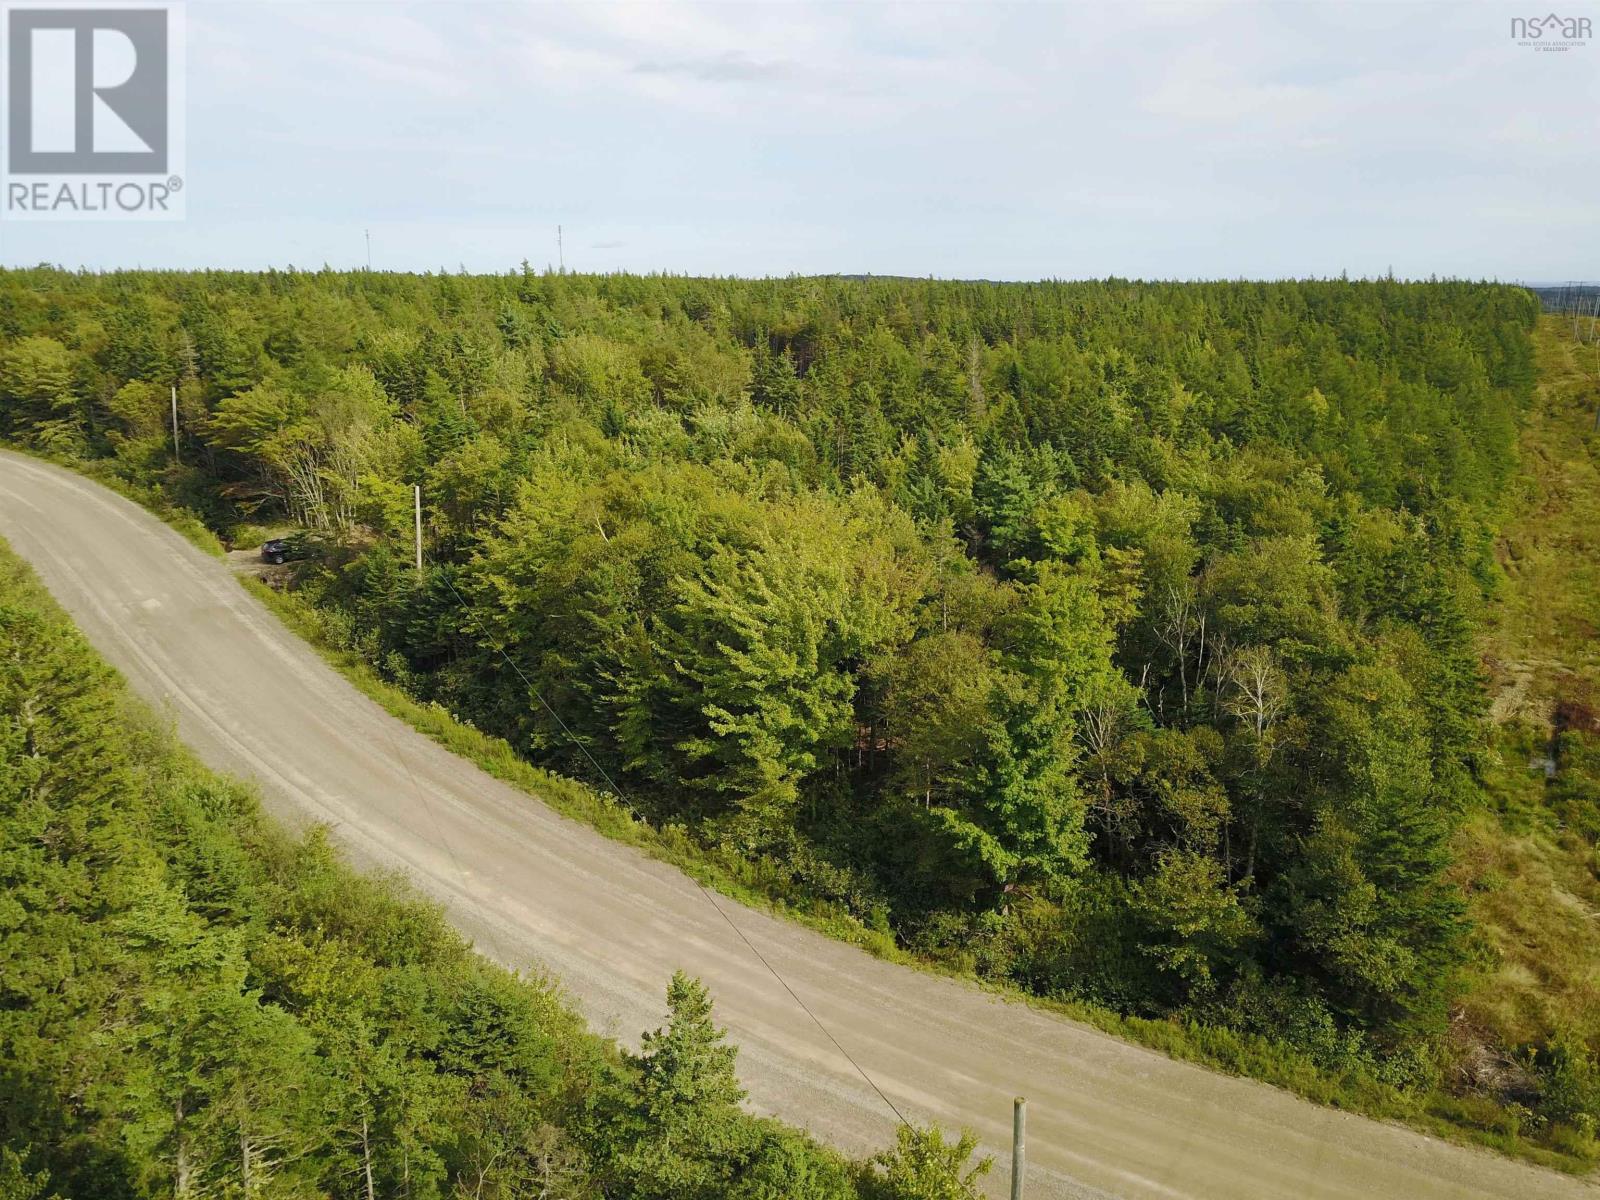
(1551, 32)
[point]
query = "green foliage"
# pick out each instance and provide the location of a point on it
(16, 1183)
(1197, 925)
(924, 1165)
(38, 394)
(682, 1136)
(191, 1004)
(1114, 639)
(754, 641)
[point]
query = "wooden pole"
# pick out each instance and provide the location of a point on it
(1019, 1153)
(417, 495)
(176, 457)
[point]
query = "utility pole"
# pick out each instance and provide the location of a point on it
(175, 455)
(416, 493)
(1019, 1154)
(561, 252)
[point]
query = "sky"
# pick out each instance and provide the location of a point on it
(1000, 141)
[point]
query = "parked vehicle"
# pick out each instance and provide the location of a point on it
(289, 549)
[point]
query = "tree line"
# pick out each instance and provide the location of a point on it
(1112, 639)
(193, 1004)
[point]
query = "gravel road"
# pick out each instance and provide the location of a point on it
(534, 889)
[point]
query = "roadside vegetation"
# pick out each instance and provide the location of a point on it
(1118, 643)
(194, 1004)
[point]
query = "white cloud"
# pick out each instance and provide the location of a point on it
(956, 138)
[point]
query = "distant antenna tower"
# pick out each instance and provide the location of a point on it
(561, 253)
(368, 232)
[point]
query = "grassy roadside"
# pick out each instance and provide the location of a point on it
(1217, 1048)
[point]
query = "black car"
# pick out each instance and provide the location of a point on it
(281, 550)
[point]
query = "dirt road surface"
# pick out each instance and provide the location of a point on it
(533, 888)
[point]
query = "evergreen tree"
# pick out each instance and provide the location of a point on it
(684, 1106)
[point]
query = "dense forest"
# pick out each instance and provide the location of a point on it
(1113, 640)
(192, 1004)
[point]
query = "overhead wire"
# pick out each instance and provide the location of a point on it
(704, 891)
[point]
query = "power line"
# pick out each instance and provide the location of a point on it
(704, 891)
(438, 831)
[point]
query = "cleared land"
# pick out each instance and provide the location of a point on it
(1531, 877)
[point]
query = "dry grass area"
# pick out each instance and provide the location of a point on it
(1542, 643)
(1537, 902)
(1530, 865)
